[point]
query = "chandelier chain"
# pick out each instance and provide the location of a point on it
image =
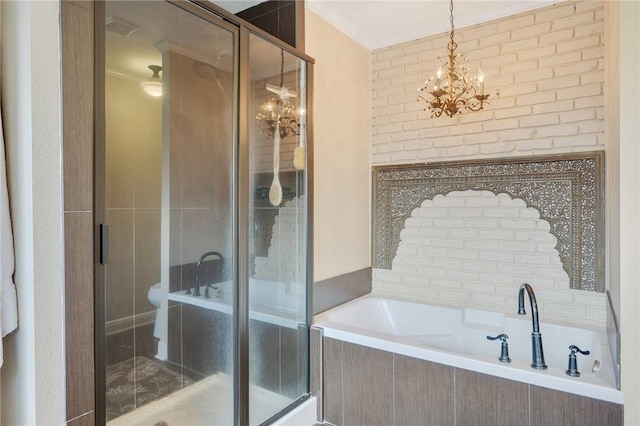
(452, 91)
(281, 68)
(452, 44)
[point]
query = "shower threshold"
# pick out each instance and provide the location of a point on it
(207, 402)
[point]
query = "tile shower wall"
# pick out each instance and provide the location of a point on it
(548, 66)
(133, 176)
(199, 140)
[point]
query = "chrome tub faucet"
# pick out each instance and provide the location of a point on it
(537, 353)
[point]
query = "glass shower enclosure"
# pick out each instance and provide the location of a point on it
(202, 218)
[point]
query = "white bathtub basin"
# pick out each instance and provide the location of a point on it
(271, 302)
(457, 337)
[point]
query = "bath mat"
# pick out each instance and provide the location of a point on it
(138, 381)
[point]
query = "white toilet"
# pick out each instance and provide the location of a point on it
(155, 298)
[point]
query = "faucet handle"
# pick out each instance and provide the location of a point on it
(504, 347)
(503, 337)
(574, 349)
(572, 369)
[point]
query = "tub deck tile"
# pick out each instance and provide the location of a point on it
(481, 399)
(367, 386)
(332, 380)
(423, 392)
(551, 407)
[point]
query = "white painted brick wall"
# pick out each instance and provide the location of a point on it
(285, 257)
(476, 248)
(547, 65)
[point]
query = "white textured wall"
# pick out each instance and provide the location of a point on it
(33, 371)
(547, 64)
(341, 122)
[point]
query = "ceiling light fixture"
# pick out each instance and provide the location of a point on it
(451, 91)
(153, 87)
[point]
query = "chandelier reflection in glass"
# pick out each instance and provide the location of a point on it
(279, 108)
(451, 91)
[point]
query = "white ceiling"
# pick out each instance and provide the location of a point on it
(235, 6)
(381, 23)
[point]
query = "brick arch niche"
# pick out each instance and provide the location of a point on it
(567, 191)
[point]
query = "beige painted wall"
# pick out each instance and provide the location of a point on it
(341, 149)
(628, 248)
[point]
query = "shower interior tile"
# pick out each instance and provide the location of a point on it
(174, 331)
(120, 270)
(204, 230)
(207, 342)
(122, 132)
(293, 360)
(205, 162)
(147, 256)
(120, 346)
(264, 355)
(148, 157)
(199, 94)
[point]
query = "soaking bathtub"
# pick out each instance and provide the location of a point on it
(457, 337)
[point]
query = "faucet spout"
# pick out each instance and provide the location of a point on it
(537, 353)
(196, 290)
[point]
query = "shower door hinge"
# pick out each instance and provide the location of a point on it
(103, 255)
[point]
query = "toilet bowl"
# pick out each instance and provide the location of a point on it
(155, 298)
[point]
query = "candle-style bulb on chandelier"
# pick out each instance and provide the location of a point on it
(451, 91)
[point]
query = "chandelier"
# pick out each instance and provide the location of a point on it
(451, 91)
(279, 112)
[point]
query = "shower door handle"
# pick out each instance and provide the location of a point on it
(103, 255)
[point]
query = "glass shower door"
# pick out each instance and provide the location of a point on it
(169, 204)
(278, 328)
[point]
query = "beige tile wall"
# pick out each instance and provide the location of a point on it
(133, 183)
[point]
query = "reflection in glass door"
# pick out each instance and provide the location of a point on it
(169, 144)
(278, 330)
(203, 173)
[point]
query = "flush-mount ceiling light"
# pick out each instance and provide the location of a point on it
(153, 87)
(451, 91)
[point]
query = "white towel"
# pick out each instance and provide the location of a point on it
(8, 300)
